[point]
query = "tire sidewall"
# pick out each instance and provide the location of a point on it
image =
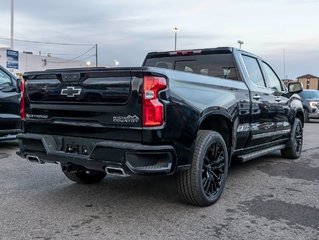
(212, 138)
(293, 138)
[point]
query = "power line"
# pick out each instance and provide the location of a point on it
(62, 44)
(73, 59)
(49, 43)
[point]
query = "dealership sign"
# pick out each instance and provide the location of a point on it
(12, 59)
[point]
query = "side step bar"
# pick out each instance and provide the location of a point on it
(250, 156)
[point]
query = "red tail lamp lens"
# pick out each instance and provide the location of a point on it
(153, 109)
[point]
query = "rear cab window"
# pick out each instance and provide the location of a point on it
(211, 64)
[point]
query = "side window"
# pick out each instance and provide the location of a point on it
(5, 79)
(254, 70)
(272, 80)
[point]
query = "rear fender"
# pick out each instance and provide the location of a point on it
(219, 120)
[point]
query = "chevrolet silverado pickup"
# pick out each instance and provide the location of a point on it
(187, 113)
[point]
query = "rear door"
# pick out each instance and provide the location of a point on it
(9, 104)
(95, 103)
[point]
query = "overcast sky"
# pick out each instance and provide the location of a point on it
(126, 30)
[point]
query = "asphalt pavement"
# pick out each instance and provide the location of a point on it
(267, 198)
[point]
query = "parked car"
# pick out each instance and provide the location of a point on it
(183, 112)
(10, 123)
(310, 102)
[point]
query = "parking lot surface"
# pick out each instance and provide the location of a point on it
(267, 198)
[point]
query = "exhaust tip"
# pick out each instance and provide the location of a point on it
(34, 159)
(116, 171)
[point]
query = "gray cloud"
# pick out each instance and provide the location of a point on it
(127, 30)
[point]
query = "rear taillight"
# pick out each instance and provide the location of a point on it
(22, 101)
(153, 109)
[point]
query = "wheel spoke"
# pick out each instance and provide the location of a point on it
(207, 185)
(213, 169)
(217, 149)
(214, 186)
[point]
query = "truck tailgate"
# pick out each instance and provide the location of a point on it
(95, 101)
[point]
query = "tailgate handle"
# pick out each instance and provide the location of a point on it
(71, 77)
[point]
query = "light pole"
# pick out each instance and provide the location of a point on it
(12, 23)
(240, 43)
(175, 30)
(96, 57)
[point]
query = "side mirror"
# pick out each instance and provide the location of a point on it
(294, 87)
(18, 85)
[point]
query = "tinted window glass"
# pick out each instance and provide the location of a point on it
(272, 80)
(216, 65)
(254, 71)
(5, 79)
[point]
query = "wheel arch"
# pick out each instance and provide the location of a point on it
(219, 121)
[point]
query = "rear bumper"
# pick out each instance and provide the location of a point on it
(97, 154)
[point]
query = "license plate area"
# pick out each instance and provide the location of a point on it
(77, 147)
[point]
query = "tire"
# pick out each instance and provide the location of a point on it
(306, 114)
(85, 177)
(294, 146)
(204, 182)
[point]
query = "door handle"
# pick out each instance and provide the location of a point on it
(256, 97)
(278, 99)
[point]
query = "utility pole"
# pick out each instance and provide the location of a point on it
(96, 56)
(12, 23)
(285, 63)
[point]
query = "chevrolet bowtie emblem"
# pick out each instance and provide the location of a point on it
(71, 91)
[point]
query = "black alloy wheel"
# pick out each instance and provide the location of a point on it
(298, 138)
(294, 145)
(213, 169)
(203, 183)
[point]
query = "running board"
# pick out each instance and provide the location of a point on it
(250, 156)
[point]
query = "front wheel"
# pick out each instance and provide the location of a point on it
(85, 177)
(294, 145)
(204, 182)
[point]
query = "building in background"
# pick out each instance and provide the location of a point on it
(27, 61)
(309, 81)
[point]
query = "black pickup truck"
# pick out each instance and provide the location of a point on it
(183, 112)
(9, 106)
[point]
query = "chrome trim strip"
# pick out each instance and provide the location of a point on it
(262, 135)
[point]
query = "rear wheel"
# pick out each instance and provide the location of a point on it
(294, 145)
(85, 177)
(204, 182)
